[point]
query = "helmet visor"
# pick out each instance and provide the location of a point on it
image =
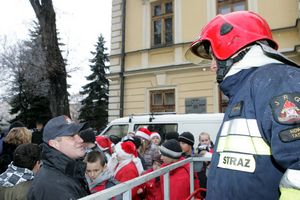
(199, 51)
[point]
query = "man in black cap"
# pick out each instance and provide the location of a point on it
(186, 140)
(62, 175)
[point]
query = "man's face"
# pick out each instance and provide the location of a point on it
(93, 169)
(71, 146)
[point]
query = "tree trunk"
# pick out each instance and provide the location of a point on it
(55, 65)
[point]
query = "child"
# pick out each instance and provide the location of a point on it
(97, 174)
(205, 149)
(179, 177)
(128, 165)
(186, 141)
(155, 138)
(150, 190)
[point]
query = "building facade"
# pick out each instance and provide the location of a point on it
(148, 71)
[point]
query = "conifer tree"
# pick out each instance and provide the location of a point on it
(30, 88)
(95, 105)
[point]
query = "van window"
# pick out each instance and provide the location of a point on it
(119, 130)
(162, 129)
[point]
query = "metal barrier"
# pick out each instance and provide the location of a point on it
(125, 188)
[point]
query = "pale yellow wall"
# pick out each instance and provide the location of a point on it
(188, 83)
(161, 56)
(279, 13)
(287, 39)
(194, 17)
(132, 60)
(134, 30)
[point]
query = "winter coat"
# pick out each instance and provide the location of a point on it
(151, 189)
(128, 172)
(37, 136)
(179, 182)
(59, 177)
(7, 156)
(259, 139)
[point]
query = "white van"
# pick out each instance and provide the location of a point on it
(165, 123)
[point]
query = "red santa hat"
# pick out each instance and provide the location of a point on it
(126, 150)
(143, 133)
(154, 134)
(104, 143)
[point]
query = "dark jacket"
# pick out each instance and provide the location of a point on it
(7, 156)
(37, 136)
(59, 177)
(252, 170)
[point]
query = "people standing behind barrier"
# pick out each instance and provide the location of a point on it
(155, 138)
(16, 180)
(148, 151)
(179, 177)
(106, 146)
(205, 149)
(128, 165)
(62, 175)
(88, 137)
(186, 141)
(15, 137)
(97, 174)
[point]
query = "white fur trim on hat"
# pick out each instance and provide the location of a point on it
(142, 135)
(154, 134)
(121, 153)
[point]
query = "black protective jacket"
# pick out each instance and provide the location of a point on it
(59, 177)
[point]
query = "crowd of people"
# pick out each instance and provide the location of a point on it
(72, 162)
(257, 148)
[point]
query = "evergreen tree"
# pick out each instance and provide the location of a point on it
(95, 105)
(30, 86)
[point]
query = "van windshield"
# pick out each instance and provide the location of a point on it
(116, 131)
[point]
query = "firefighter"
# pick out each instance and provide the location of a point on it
(257, 151)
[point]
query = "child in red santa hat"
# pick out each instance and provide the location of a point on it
(128, 165)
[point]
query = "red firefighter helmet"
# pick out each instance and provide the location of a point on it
(226, 34)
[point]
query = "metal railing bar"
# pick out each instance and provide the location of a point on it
(128, 185)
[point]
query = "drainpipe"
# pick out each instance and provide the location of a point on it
(122, 59)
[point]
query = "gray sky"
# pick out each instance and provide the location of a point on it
(79, 22)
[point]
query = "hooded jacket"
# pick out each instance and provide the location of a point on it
(257, 145)
(60, 177)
